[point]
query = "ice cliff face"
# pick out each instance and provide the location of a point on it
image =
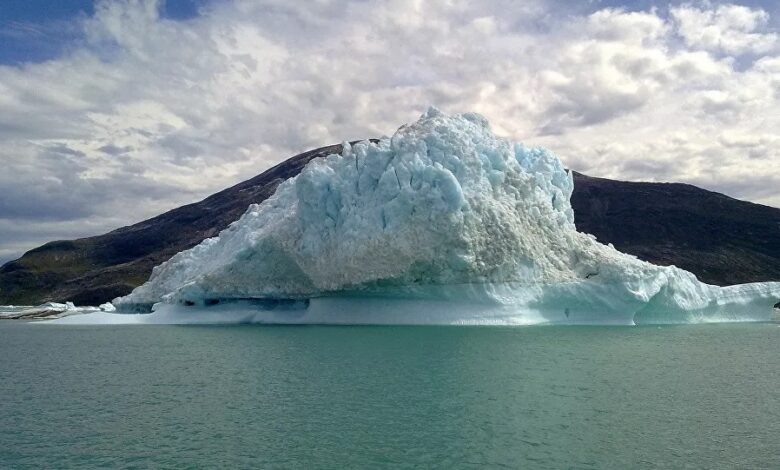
(443, 211)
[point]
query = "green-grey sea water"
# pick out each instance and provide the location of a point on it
(390, 397)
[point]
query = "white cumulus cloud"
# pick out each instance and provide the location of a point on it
(732, 29)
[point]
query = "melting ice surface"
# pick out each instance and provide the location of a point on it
(442, 223)
(48, 310)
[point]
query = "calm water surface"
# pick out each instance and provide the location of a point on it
(401, 397)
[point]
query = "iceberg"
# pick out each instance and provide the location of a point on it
(49, 310)
(442, 223)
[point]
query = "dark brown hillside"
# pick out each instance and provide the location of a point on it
(720, 239)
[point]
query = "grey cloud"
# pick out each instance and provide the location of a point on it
(583, 106)
(112, 149)
(638, 169)
(63, 149)
(758, 188)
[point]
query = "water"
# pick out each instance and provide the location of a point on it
(370, 397)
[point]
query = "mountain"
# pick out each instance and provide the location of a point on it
(720, 239)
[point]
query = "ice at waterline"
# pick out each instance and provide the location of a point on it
(442, 223)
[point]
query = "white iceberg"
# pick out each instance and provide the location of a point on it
(442, 223)
(49, 310)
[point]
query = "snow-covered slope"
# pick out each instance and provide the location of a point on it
(444, 222)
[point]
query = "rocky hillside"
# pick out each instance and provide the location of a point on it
(720, 239)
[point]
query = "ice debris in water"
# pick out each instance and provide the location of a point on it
(49, 310)
(443, 211)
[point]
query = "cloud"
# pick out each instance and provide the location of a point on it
(144, 113)
(731, 29)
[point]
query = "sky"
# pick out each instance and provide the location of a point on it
(115, 111)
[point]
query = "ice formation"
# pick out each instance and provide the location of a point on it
(49, 310)
(442, 223)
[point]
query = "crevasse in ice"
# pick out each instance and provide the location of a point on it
(442, 223)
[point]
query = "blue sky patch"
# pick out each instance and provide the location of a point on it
(40, 30)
